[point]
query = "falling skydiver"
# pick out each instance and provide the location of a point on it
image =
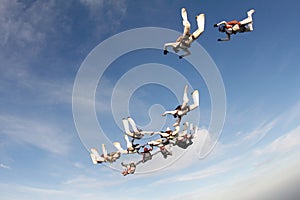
(235, 26)
(184, 41)
(184, 108)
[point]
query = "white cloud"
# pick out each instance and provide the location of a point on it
(246, 140)
(16, 191)
(4, 166)
(19, 86)
(259, 133)
(25, 24)
(84, 182)
(274, 179)
(93, 4)
(112, 13)
(291, 116)
(283, 144)
(208, 172)
(35, 132)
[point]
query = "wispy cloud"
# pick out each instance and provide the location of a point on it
(35, 132)
(282, 152)
(282, 144)
(4, 166)
(259, 133)
(29, 24)
(209, 172)
(112, 10)
(84, 182)
(244, 142)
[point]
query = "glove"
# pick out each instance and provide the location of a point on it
(215, 25)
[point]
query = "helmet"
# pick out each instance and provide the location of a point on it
(222, 28)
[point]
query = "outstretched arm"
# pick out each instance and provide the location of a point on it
(225, 39)
(218, 24)
(172, 112)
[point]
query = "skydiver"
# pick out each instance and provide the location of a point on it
(184, 138)
(147, 154)
(136, 133)
(128, 168)
(184, 141)
(165, 151)
(131, 147)
(105, 157)
(158, 142)
(235, 26)
(168, 133)
(184, 41)
(184, 108)
(113, 156)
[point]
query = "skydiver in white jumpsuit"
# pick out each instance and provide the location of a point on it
(166, 137)
(184, 41)
(105, 157)
(135, 133)
(169, 134)
(184, 108)
(131, 147)
(235, 26)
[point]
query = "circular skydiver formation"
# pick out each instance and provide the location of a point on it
(163, 141)
(157, 142)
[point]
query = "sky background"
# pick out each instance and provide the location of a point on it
(43, 44)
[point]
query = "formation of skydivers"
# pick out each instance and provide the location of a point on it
(163, 141)
(158, 141)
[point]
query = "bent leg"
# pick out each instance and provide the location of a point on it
(185, 97)
(185, 22)
(95, 156)
(195, 96)
(200, 22)
(249, 18)
(104, 151)
(126, 127)
(118, 146)
(128, 143)
(133, 125)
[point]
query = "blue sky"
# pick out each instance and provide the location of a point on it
(43, 45)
